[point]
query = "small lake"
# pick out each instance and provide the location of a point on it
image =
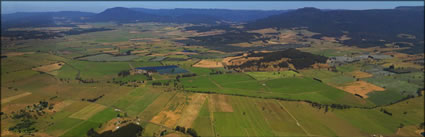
(172, 69)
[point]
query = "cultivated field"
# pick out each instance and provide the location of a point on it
(70, 85)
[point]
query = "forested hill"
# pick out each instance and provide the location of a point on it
(222, 14)
(120, 14)
(366, 28)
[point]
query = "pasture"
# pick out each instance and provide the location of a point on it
(215, 102)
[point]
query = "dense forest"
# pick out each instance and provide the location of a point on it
(299, 59)
(366, 28)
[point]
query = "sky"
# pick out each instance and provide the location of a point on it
(99, 6)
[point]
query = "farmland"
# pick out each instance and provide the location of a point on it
(105, 80)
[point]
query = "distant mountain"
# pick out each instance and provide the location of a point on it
(126, 15)
(365, 27)
(221, 14)
(418, 8)
(120, 14)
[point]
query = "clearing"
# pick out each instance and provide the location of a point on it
(361, 87)
(208, 64)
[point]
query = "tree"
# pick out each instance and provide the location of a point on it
(401, 125)
(192, 132)
(180, 129)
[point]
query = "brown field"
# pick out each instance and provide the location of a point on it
(156, 106)
(88, 111)
(134, 32)
(264, 31)
(344, 37)
(361, 88)
(61, 105)
(208, 64)
(50, 67)
(329, 39)
(171, 113)
(139, 51)
(111, 51)
(8, 99)
(246, 44)
(213, 32)
(100, 49)
(166, 118)
(182, 53)
(319, 66)
(219, 103)
(182, 110)
(11, 54)
(361, 74)
(191, 111)
(288, 37)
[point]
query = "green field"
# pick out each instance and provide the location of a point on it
(87, 92)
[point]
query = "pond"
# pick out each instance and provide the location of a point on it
(172, 69)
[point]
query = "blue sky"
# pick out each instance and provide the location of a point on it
(99, 6)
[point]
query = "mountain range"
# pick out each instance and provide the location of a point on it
(365, 28)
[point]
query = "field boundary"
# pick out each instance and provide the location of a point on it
(333, 106)
(298, 123)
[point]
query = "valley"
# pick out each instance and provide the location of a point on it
(162, 77)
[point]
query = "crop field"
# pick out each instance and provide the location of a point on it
(69, 85)
(291, 88)
(87, 111)
(272, 75)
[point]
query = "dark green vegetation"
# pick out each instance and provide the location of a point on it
(130, 130)
(300, 60)
(366, 28)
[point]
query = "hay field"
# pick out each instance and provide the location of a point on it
(88, 111)
(50, 67)
(361, 87)
(208, 64)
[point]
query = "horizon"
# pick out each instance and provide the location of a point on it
(13, 7)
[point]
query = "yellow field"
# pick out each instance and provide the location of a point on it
(191, 111)
(50, 67)
(263, 31)
(8, 99)
(361, 88)
(208, 64)
(219, 103)
(88, 111)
